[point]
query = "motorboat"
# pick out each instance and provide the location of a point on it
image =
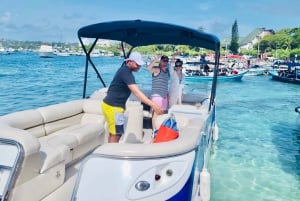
(46, 51)
(60, 152)
(62, 54)
(257, 70)
(223, 77)
(286, 75)
(4, 51)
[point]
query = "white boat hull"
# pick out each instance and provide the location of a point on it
(46, 54)
(137, 179)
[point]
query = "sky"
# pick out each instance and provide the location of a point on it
(59, 20)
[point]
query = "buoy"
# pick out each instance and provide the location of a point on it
(205, 185)
(298, 120)
(216, 133)
(235, 71)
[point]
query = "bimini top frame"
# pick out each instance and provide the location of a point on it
(142, 33)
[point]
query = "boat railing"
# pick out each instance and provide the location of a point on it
(10, 157)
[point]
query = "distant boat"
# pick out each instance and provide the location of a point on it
(3, 51)
(256, 70)
(231, 77)
(46, 51)
(110, 54)
(284, 76)
(62, 54)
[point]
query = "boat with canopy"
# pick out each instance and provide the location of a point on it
(62, 149)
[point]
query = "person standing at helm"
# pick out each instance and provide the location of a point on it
(123, 83)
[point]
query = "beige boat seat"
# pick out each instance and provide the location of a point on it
(133, 128)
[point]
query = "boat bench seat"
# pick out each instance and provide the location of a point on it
(52, 138)
(190, 133)
(67, 128)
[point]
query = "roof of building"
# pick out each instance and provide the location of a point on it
(251, 36)
(248, 39)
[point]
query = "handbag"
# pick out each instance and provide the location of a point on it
(167, 131)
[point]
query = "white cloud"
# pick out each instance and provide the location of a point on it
(203, 6)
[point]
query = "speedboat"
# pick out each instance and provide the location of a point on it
(46, 51)
(210, 77)
(286, 76)
(256, 70)
(60, 152)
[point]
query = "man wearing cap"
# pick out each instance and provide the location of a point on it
(123, 83)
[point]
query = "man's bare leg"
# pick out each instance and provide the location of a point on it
(113, 138)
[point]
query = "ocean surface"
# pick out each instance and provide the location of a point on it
(257, 156)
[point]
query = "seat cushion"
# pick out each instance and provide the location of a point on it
(92, 106)
(87, 132)
(92, 118)
(82, 132)
(56, 148)
(58, 139)
(53, 155)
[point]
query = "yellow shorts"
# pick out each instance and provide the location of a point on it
(114, 117)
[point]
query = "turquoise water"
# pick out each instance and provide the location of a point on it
(257, 156)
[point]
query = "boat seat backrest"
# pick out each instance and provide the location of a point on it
(30, 120)
(191, 111)
(133, 132)
(61, 115)
(92, 111)
(99, 94)
(183, 121)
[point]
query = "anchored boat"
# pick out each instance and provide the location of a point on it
(46, 51)
(60, 152)
(221, 78)
(195, 72)
(286, 76)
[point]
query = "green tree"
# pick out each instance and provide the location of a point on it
(295, 38)
(234, 44)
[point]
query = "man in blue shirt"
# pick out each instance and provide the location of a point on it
(123, 83)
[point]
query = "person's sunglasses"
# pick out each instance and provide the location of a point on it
(165, 60)
(178, 66)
